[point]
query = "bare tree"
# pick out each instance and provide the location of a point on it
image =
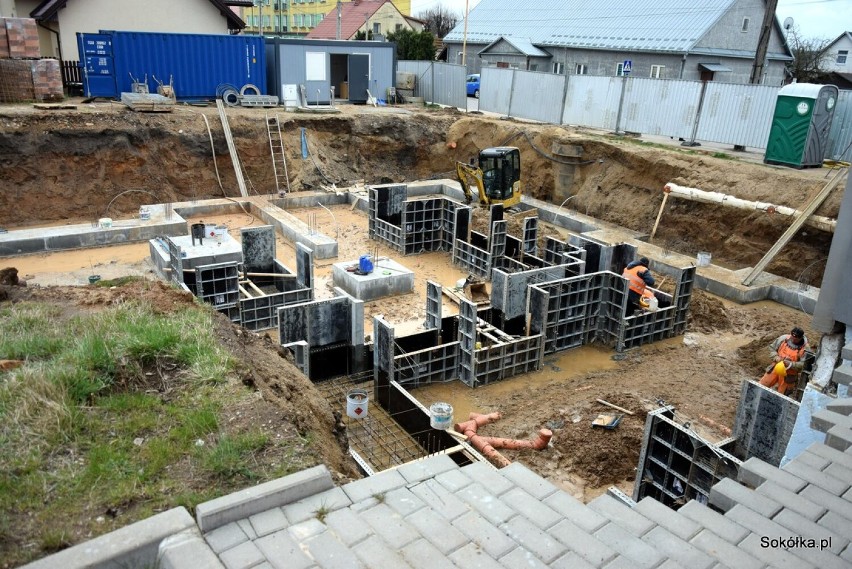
(809, 56)
(439, 20)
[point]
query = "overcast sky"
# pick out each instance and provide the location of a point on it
(814, 18)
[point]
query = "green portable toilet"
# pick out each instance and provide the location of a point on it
(800, 125)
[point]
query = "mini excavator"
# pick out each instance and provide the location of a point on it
(497, 178)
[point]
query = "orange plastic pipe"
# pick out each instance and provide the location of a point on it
(540, 443)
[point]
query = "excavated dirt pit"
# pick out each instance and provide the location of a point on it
(67, 166)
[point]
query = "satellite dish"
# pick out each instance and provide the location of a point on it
(788, 23)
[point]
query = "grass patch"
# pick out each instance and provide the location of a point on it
(723, 156)
(232, 455)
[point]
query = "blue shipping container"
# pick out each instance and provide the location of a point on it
(196, 63)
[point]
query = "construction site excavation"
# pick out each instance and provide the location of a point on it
(384, 315)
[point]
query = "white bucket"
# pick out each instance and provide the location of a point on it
(144, 214)
(356, 403)
(220, 232)
(440, 416)
(703, 259)
(105, 222)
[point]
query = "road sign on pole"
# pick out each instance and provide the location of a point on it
(627, 67)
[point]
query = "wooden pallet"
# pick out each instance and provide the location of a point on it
(147, 102)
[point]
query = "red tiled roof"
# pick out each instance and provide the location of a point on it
(352, 18)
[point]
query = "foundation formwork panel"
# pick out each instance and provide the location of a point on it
(305, 267)
(566, 311)
(384, 352)
(431, 365)
(258, 245)
(501, 361)
(423, 226)
(497, 240)
(530, 236)
(764, 423)
(472, 259)
(301, 355)
(175, 261)
(261, 312)
(433, 305)
(218, 285)
(320, 323)
(676, 465)
(509, 289)
(467, 342)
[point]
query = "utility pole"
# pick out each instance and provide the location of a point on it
(339, 17)
(763, 42)
(464, 42)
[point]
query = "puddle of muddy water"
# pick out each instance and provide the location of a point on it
(74, 267)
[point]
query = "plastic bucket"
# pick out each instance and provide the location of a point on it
(365, 265)
(105, 222)
(441, 416)
(356, 403)
(144, 214)
(220, 231)
(703, 259)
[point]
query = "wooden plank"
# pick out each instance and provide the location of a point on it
(608, 404)
(53, 107)
(232, 149)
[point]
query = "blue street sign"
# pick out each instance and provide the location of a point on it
(628, 66)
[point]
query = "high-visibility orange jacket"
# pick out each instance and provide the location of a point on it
(785, 349)
(637, 282)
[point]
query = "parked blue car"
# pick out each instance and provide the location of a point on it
(473, 85)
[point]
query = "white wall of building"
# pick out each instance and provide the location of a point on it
(831, 61)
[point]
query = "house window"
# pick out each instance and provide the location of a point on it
(267, 22)
(558, 67)
(745, 25)
(533, 67)
(658, 72)
(398, 27)
(318, 18)
(377, 28)
(841, 56)
(581, 69)
(619, 69)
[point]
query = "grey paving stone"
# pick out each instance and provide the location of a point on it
(721, 550)
(575, 511)
(727, 529)
(488, 476)
(839, 471)
(664, 516)
(307, 508)
(841, 406)
(757, 546)
(817, 477)
(390, 526)
(484, 534)
(755, 472)
(571, 561)
(453, 480)
(329, 553)
(520, 557)
(727, 493)
(825, 419)
(437, 530)
(427, 469)
(380, 483)
(243, 556)
(840, 438)
(268, 522)
(440, 499)
(528, 481)
(795, 502)
(670, 564)
(673, 547)
(403, 501)
(421, 554)
(306, 529)
(837, 524)
(812, 460)
(282, 552)
(347, 526)
(225, 537)
(186, 549)
(472, 557)
(623, 515)
(264, 565)
(621, 562)
(798, 525)
(831, 454)
(531, 508)
(847, 554)
(583, 543)
(376, 554)
(365, 504)
(828, 501)
(487, 504)
(533, 539)
(245, 525)
(628, 545)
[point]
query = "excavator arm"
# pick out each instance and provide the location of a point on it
(471, 177)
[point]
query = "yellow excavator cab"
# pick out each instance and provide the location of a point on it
(497, 178)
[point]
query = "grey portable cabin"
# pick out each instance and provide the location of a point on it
(351, 67)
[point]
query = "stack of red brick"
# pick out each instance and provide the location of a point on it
(23, 76)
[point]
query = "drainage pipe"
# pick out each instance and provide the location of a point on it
(488, 445)
(693, 194)
(540, 443)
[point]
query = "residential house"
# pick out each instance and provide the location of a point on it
(60, 20)
(296, 18)
(839, 54)
(379, 17)
(670, 39)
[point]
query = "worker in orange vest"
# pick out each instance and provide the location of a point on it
(788, 355)
(640, 278)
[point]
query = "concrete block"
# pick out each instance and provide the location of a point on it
(374, 553)
(187, 549)
(528, 480)
(671, 564)
(726, 494)
(817, 477)
(671, 546)
(403, 502)
(9, 247)
(837, 524)
(716, 547)
(544, 546)
(839, 472)
(390, 526)
(828, 501)
(832, 454)
(839, 438)
(758, 546)
(486, 503)
(824, 419)
(484, 534)
(282, 551)
(804, 527)
(520, 557)
(616, 511)
(226, 537)
(437, 530)
(423, 555)
(753, 472)
(532, 509)
(473, 556)
(307, 508)
(841, 406)
(427, 469)
(454, 480)
(267, 522)
(489, 477)
(812, 460)
(444, 502)
(389, 278)
(372, 485)
(571, 561)
(795, 502)
(843, 374)
(347, 526)
(582, 543)
(576, 512)
(727, 529)
(244, 525)
(673, 521)
(243, 556)
(329, 553)
(306, 529)
(220, 511)
(135, 545)
(629, 546)
(847, 554)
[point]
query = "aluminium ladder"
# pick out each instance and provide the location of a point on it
(279, 161)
